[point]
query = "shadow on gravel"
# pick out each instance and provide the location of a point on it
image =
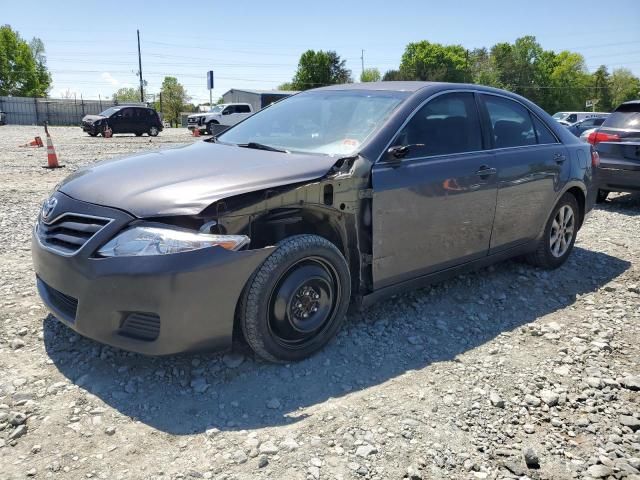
(410, 331)
(627, 204)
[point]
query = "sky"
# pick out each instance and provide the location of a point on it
(91, 46)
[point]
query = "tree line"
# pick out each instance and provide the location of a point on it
(554, 80)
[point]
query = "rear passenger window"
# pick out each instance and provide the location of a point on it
(242, 109)
(543, 132)
(447, 124)
(511, 122)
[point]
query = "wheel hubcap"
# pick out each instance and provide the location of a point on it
(302, 303)
(562, 230)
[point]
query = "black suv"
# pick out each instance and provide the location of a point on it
(124, 119)
(618, 143)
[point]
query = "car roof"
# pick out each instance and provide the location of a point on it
(397, 86)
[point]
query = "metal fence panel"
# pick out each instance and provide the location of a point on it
(56, 111)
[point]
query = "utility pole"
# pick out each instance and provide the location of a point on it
(362, 59)
(140, 69)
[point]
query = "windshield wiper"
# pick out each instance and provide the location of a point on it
(262, 146)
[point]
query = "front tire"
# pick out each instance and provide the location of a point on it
(559, 236)
(210, 127)
(296, 301)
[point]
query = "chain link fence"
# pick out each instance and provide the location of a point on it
(55, 111)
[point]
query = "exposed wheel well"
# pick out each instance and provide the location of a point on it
(579, 196)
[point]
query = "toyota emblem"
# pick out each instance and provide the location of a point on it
(48, 207)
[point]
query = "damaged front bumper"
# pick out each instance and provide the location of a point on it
(154, 305)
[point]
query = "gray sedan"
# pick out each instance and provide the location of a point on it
(343, 194)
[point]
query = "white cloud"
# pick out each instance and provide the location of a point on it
(107, 77)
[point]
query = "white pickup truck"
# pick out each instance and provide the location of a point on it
(226, 114)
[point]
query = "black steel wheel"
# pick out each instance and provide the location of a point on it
(297, 299)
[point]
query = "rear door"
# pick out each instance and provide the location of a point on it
(434, 208)
(532, 166)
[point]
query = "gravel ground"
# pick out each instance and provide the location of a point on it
(510, 372)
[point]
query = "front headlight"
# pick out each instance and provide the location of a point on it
(153, 240)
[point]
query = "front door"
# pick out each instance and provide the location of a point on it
(434, 208)
(531, 166)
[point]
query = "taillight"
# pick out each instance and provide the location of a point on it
(597, 137)
(595, 159)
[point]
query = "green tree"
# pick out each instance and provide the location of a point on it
(370, 75)
(601, 85)
(624, 86)
(127, 95)
(317, 69)
(286, 86)
(23, 70)
(174, 97)
(482, 68)
(570, 84)
(392, 75)
(435, 62)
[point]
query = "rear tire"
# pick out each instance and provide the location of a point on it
(138, 134)
(296, 301)
(153, 131)
(602, 196)
(556, 243)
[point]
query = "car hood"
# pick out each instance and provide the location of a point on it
(186, 180)
(91, 118)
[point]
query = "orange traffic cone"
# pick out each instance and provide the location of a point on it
(196, 132)
(36, 142)
(52, 158)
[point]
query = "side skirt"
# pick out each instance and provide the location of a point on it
(425, 280)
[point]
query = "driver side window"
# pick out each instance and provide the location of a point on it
(445, 125)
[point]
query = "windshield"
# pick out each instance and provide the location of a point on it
(626, 116)
(326, 122)
(560, 115)
(216, 109)
(110, 111)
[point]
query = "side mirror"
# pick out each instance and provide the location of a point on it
(397, 153)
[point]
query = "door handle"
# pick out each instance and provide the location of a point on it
(559, 157)
(485, 171)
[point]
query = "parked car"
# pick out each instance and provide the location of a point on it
(588, 123)
(3, 118)
(342, 194)
(617, 142)
(584, 136)
(573, 117)
(225, 114)
(124, 119)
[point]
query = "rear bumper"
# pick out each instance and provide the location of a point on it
(616, 179)
(154, 305)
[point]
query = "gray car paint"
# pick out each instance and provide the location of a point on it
(184, 181)
(401, 233)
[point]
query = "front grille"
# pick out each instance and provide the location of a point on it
(69, 232)
(141, 326)
(60, 301)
